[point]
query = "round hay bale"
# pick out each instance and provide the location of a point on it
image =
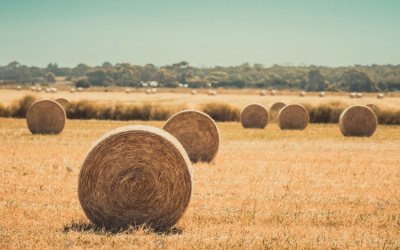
(262, 93)
(322, 94)
(39, 89)
(358, 120)
(63, 102)
(374, 108)
(302, 94)
(380, 96)
(254, 115)
(48, 90)
(80, 89)
(273, 92)
(293, 116)
(277, 106)
(18, 88)
(33, 89)
(353, 95)
(148, 91)
(54, 90)
(197, 132)
(154, 91)
(72, 90)
(127, 91)
(46, 117)
(194, 92)
(214, 93)
(210, 92)
(359, 95)
(136, 175)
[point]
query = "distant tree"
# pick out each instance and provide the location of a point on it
(107, 64)
(358, 81)
(82, 83)
(50, 77)
(167, 79)
(316, 80)
(100, 77)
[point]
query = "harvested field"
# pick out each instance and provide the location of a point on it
(268, 189)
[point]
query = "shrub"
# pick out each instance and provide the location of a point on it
(82, 83)
(222, 112)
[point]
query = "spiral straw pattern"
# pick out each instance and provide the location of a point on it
(46, 117)
(358, 120)
(293, 116)
(254, 115)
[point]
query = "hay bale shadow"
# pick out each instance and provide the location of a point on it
(85, 226)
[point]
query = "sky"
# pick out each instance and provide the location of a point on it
(204, 33)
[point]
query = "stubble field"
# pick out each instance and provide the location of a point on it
(267, 189)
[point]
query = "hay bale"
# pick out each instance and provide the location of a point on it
(46, 117)
(63, 102)
(48, 90)
(80, 89)
(293, 116)
(277, 106)
(127, 91)
(148, 91)
(359, 95)
(302, 94)
(197, 132)
(154, 91)
(33, 89)
(210, 92)
(380, 96)
(353, 95)
(136, 175)
(374, 108)
(18, 88)
(273, 92)
(358, 120)
(39, 89)
(254, 115)
(322, 94)
(54, 90)
(194, 92)
(214, 93)
(262, 93)
(72, 90)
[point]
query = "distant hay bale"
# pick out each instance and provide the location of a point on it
(197, 132)
(127, 91)
(54, 90)
(46, 117)
(136, 175)
(353, 95)
(359, 95)
(80, 89)
(72, 90)
(277, 106)
(48, 90)
(148, 91)
(63, 102)
(210, 92)
(214, 92)
(194, 92)
(273, 92)
(18, 88)
(39, 89)
(154, 91)
(302, 94)
(293, 116)
(380, 96)
(358, 120)
(33, 89)
(322, 94)
(374, 108)
(262, 93)
(254, 115)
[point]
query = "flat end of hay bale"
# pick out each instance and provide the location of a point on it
(293, 116)
(358, 120)
(197, 132)
(136, 175)
(46, 117)
(254, 115)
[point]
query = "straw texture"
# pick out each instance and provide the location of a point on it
(277, 106)
(135, 175)
(358, 120)
(254, 115)
(63, 102)
(293, 116)
(46, 117)
(197, 132)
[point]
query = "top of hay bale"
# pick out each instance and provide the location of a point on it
(197, 132)
(277, 106)
(293, 116)
(254, 115)
(46, 117)
(358, 120)
(63, 102)
(136, 175)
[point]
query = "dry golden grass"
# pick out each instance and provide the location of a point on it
(268, 189)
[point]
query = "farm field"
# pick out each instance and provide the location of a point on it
(267, 189)
(234, 98)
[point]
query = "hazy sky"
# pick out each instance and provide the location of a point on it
(217, 32)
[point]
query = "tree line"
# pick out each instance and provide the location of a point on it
(358, 78)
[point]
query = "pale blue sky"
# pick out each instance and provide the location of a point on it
(226, 33)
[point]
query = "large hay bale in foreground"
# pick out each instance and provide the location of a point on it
(135, 175)
(46, 117)
(197, 132)
(302, 94)
(358, 120)
(254, 115)
(277, 106)
(63, 102)
(293, 116)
